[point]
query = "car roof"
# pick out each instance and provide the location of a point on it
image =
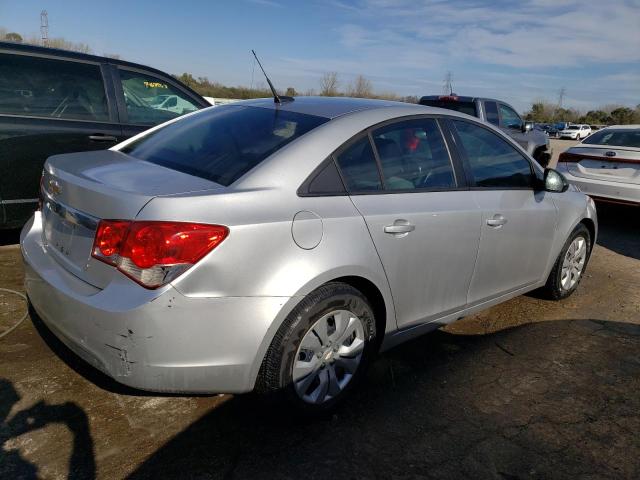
(328, 107)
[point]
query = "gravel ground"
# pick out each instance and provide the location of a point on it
(527, 389)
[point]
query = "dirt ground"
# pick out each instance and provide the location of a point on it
(528, 389)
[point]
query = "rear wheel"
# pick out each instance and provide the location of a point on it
(321, 349)
(570, 264)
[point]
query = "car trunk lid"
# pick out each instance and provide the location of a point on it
(615, 164)
(80, 189)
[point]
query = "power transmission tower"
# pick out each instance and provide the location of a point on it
(561, 95)
(447, 87)
(44, 27)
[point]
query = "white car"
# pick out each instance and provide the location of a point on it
(606, 165)
(576, 132)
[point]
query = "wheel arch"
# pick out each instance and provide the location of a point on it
(381, 302)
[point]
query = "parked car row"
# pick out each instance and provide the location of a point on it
(278, 244)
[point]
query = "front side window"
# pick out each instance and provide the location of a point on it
(223, 143)
(510, 119)
(493, 162)
(413, 155)
(150, 100)
(491, 109)
(42, 87)
(358, 166)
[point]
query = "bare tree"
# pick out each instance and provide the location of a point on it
(329, 84)
(360, 88)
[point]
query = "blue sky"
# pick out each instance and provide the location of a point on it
(518, 51)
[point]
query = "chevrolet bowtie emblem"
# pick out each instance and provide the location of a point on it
(54, 187)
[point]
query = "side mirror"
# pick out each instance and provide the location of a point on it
(554, 181)
(527, 127)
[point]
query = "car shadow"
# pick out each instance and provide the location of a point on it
(619, 229)
(514, 404)
(13, 464)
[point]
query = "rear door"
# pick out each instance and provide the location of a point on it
(146, 99)
(422, 220)
(48, 106)
(518, 221)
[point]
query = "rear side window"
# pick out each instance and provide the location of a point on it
(359, 167)
(42, 87)
(413, 156)
(223, 143)
(493, 162)
(463, 107)
(151, 100)
(491, 110)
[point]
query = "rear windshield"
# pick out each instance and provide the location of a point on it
(620, 138)
(223, 143)
(463, 107)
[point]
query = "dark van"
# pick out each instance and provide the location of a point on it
(54, 101)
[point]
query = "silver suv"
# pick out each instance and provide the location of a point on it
(279, 246)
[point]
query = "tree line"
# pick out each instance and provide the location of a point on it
(546, 112)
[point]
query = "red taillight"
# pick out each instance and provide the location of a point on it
(109, 238)
(154, 253)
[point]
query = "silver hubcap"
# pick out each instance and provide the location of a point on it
(328, 356)
(573, 263)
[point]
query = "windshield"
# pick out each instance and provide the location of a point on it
(617, 137)
(222, 144)
(463, 107)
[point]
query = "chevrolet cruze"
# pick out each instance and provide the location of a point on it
(279, 246)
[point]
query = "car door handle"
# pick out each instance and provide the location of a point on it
(498, 220)
(103, 138)
(399, 227)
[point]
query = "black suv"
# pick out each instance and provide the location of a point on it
(55, 101)
(500, 114)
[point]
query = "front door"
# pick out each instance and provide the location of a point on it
(425, 229)
(518, 221)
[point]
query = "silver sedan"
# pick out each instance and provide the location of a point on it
(278, 247)
(606, 165)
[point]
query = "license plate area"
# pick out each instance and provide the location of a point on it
(68, 234)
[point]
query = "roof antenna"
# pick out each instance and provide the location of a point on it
(276, 98)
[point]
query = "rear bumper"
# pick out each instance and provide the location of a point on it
(613, 191)
(152, 340)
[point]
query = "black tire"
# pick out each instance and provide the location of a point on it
(277, 367)
(553, 287)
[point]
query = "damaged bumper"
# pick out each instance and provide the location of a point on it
(157, 340)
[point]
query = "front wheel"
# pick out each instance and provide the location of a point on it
(321, 349)
(570, 264)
